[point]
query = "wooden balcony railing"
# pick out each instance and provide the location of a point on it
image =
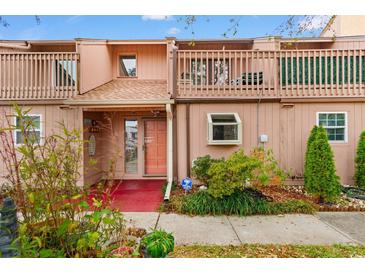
(270, 74)
(38, 75)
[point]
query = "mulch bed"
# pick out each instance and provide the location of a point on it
(285, 193)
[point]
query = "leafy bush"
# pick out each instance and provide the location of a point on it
(224, 177)
(268, 171)
(360, 162)
(320, 175)
(227, 176)
(201, 166)
(157, 244)
(58, 217)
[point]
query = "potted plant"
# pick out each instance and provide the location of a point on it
(157, 244)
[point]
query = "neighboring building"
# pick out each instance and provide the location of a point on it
(344, 25)
(156, 105)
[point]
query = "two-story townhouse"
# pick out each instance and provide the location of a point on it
(156, 105)
(116, 92)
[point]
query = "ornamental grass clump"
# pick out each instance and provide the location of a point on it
(320, 177)
(242, 202)
(359, 177)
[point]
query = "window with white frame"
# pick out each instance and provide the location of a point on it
(336, 125)
(224, 129)
(32, 127)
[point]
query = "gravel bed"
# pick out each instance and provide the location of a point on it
(345, 203)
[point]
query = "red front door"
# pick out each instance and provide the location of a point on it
(155, 147)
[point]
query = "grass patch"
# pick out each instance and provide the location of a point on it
(244, 202)
(269, 251)
(292, 206)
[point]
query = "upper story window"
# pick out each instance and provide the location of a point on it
(33, 128)
(336, 125)
(224, 129)
(128, 65)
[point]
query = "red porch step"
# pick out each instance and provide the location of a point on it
(143, 195)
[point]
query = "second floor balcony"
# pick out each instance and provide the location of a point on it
(203, 74)
(270, 74)
(38, 75)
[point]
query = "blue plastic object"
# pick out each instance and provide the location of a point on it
(187, 184)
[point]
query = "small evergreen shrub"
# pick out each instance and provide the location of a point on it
(309, 177)
(320, 174)
(360, 162)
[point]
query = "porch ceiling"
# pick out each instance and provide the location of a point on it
(125, 92)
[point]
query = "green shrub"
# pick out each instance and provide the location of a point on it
(308, 164)
(157, 244)
(241, 170)
(227, 176)
(360, 162)
(268, 171)
(58, 217)
(201, 166)
(320, 175)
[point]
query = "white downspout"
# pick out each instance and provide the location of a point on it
(169, 151)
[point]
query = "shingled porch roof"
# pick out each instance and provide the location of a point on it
(125, 91)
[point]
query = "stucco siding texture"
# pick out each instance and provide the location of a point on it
(287, 127)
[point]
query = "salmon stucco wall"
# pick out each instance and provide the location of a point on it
(287, 127)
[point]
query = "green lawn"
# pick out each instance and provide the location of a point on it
(268, 251)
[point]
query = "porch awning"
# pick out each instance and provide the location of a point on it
(125, 92)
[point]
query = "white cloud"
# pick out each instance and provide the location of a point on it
(157, 17)
(173, 31)
(313, 23)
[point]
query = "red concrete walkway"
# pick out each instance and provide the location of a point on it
(137, 195)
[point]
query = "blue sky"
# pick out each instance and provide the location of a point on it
(134, 27)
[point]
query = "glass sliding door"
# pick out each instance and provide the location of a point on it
(130, 146)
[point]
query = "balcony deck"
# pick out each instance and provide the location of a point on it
(38, 75)
(270, 74)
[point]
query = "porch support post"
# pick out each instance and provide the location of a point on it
(170, 166)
